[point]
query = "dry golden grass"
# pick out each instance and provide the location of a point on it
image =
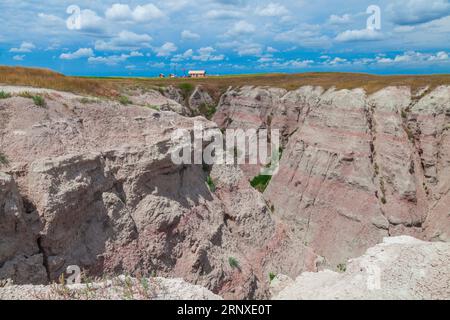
(371, 83)
(43, 78)
(109, 87)
(216, 86)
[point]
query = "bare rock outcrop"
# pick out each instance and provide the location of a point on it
(102, 193)
(20, 256)
(157, 100)
(399, 268)
(200, 100)
(120, 288)
(175, 94)
(196, 100)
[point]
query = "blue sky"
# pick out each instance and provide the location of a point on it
(144, 38)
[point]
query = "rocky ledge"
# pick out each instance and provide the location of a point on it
(399, 268)
(120, 288)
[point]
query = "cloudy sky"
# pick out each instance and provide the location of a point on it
(144, 38)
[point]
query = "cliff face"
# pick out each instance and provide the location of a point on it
(355, 168)
(389, 271)
(91, 183)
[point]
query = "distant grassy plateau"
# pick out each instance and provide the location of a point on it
(215, 85)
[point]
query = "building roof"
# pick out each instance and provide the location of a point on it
(197, 72)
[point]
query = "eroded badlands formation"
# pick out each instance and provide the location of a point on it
(91, 183)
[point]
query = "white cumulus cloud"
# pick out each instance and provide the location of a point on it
(125, 40)
(223, 14)
(359, 35)
(272, 10)
(50, 19)
(80, 53)
(189, 35)
(206, 54)
(411, 12)
(91, 22)
(166, 49)
(249, 49)
(114, 59)
(123, 12)
(241, 27)
(186, 55)
(335, 19)
(24, 47)
(19, 57)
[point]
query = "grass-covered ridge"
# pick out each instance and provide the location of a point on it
(44, 78)
(215, 85)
